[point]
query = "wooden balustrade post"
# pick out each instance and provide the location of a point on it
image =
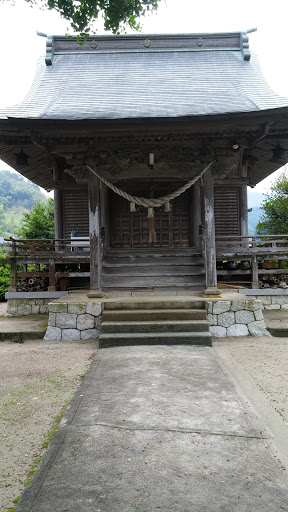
(13, 268)
(255, 279)
(52, 279)
(209, 237)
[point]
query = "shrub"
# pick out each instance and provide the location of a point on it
(4, 275)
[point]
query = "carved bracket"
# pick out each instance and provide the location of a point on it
(80, 173)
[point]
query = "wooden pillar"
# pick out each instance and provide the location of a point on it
(195, 214)
(58, 201)
(209, 237)
(58, 214)
(243, 210)
(104, 200)
(94, 232)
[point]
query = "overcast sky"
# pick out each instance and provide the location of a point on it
(20, 47)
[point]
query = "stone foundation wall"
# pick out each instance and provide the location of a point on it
(74, 322)
(272, 301)
(236, 318)
(25, 307)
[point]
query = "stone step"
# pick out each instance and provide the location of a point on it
(155, 326)
(20, 337)
(154, 304)
(153, 314)
(165, 338)
(154, 270)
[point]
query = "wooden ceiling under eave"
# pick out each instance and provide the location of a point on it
(43, 140)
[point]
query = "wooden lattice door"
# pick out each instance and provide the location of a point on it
(132, 229)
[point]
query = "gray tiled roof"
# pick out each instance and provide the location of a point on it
(119, 85)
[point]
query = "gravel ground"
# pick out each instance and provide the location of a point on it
(260, 368)
(37, 380)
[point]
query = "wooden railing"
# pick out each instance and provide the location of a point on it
(259, 251)
(47, 262)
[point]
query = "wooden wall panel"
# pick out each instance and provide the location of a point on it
(76, 212)
(226, 205)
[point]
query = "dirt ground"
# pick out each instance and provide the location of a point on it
(37, 380)
(260, 368)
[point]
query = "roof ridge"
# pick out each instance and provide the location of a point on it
(151, 43)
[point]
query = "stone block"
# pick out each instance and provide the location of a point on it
(244, 317)
(52, 319)
(35, 309)
(221, 306)
(226, 319)
(70, 335)
(58, 307)
(258, 314)
(90, 334)
(265, 299)
(66, 320)
(212, 319)
(280, 299)
(273, 306)
(237, 305)
(284, 306)
(94, 308)
(11, 309)
(85, 322)
(77, 308)
(209, 307)
(53, 334)
(253, 305)
(258, 329)
(43, 309)
(98, 322)
(218, 332)
(24, 309)
(238, 330)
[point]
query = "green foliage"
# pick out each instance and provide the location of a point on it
(275, 207)
(4, 275)
(39, 222)
(2, 219)
(15, 191)
(117, 14)
(16, 196)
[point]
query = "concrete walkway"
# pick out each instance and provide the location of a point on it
(159, 428)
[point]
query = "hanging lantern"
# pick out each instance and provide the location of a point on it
(278, 154)
(21, 158)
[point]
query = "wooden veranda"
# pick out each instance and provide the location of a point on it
(58, 264)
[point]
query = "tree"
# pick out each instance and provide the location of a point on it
(117, 14)
(39, 222)
(275, 208)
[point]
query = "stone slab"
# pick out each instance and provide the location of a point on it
(265, 291)
(34, 295)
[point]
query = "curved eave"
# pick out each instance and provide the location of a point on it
(16, 134)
